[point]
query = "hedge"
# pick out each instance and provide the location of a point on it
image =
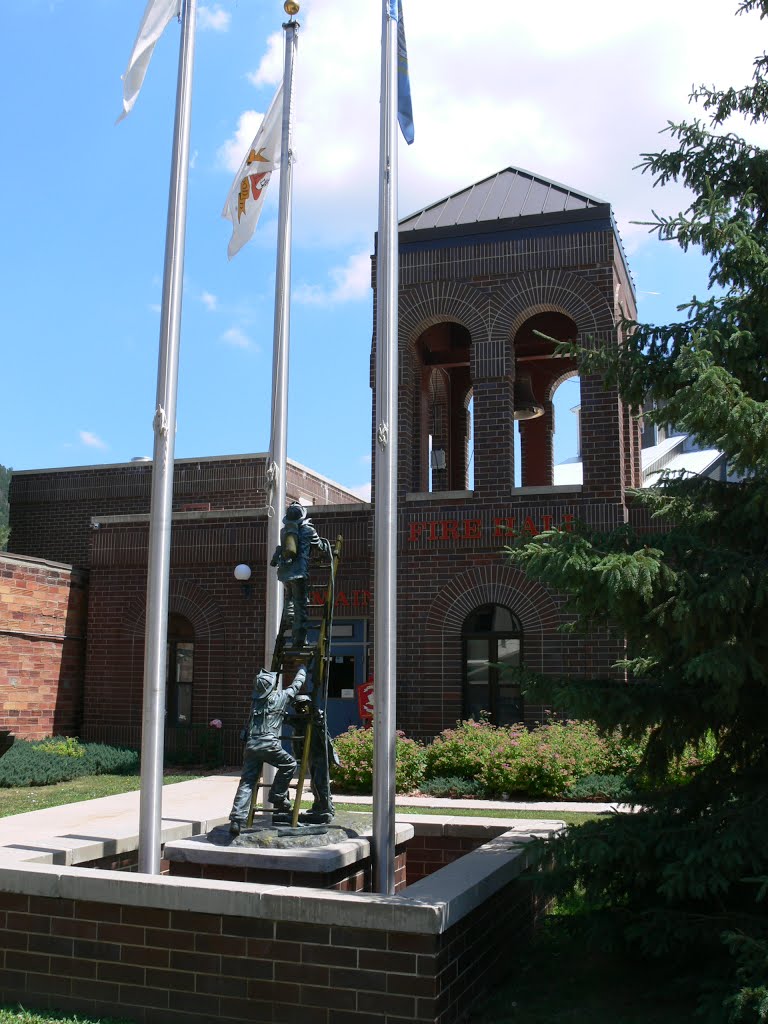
(61, 759)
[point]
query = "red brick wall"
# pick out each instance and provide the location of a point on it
(159, 966)
(51, 510)
(42, 646)
(227, 620)
(441, 581)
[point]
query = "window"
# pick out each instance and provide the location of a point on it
(180, 670)
(492, 641)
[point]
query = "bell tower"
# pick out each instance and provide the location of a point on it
(491, 279)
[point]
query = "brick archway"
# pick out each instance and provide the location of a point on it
(554, 290)
(537, 609)
(440, 302)
(206, 617)
(184, 598)
(492, 584)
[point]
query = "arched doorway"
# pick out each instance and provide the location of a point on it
(492, 639)
(180, 671)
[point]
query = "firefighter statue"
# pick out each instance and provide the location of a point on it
(269, 706)
(297, 538)
(322, 754)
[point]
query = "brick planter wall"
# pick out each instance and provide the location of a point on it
(429, 853)
(161, 950)
(160, 966)
(356, 878)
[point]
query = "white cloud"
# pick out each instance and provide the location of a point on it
(237, 337)
(210, 301)
(575, 96)
(230, 154)
(363, 491)
(350, 283)
(155, 307)
(214, 18)
(92, 440)
(270, 70)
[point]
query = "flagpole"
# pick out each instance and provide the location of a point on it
(385, 508)
(164, 426)
(277, 468)
(280, 343)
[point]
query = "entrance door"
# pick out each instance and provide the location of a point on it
(347, 671)
(492, 640)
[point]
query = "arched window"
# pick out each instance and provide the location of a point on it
(492, 643)
(180, 669)
(445, 450)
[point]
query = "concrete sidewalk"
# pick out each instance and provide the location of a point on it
(73, 833)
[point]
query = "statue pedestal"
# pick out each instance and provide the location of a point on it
(340, 859)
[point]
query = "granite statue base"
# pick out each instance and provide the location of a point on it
(338, 857)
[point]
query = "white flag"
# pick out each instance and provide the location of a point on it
(156, 16)
(246, 197)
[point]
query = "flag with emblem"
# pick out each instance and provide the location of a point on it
(246, 197)
(157, 14)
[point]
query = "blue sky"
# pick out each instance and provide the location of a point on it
(572, 92)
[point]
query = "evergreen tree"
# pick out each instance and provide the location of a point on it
(5, 482)
(687, 877)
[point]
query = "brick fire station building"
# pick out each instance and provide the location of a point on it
(484, 274)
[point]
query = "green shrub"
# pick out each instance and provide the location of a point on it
(355, 773)
(614, 788)
(64, 746)
(683, 768)
(453, 786)
(534, 771)
(102, 759)
(466, 750)
(546, 762)
(39, 764)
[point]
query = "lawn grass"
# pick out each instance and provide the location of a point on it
(17, 1015)
(569, 817)
(21, 799)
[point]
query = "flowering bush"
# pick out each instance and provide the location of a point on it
(355, 773)
(544, 762)
(535, 771)
(547, 761)
(683, 768)
(466, 750)
(478, 758)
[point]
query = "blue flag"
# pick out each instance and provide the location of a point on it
(404, 106)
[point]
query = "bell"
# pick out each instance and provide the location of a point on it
(526, 406)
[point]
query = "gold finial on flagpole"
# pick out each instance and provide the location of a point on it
(291, 7)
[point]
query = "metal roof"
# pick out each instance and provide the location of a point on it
(507, 194)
